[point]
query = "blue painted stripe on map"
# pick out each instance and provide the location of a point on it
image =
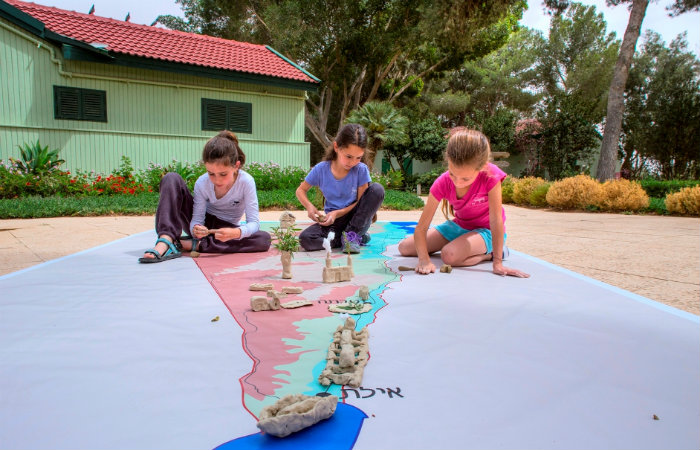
(62, 258)
(617, 290)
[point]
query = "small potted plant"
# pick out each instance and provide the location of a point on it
(287, 243)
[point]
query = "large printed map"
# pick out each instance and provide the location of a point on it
(288, 347)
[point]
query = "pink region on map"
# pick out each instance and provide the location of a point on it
(266, 334)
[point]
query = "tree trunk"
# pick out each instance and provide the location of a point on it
(616, 105)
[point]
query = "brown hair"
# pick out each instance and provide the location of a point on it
(224, 149)
(465, 147)
(349, 134)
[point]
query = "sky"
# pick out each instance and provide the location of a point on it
(656, 19)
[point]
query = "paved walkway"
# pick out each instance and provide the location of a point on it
(654, 256)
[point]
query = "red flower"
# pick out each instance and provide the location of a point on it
(131, 191)
(72, 181)
(29, 183)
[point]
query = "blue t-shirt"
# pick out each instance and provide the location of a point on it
(338, 193)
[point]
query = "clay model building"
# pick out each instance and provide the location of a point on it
(260, 287)
(364, 292)
(347, 356)
(276, 294)
(287, 220)
(295, 412)
(334, 274)
(260, 303)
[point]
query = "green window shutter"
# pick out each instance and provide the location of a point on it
(94, 105)
(79, 104)
(66, 103)
(220, 115)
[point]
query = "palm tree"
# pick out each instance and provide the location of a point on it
(384, 125)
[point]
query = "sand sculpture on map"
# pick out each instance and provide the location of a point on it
(347, 356)
(335, 274)
(260, 303)
(287, 220)
(295, 412)
(260, 287)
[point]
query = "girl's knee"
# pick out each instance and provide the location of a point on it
(376, 190)
(407, 248)
(450, 256)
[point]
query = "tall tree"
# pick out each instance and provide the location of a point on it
(662, 112)
(505, 78)
(616, 102)
(615, 109)
(575, 64)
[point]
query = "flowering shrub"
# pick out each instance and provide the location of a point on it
(18, 181)
(115, 184)
(270, 176)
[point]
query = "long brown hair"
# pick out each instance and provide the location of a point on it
(349, 134)
(465, 147)
(223, 149)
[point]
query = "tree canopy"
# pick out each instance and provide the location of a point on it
(361, 50)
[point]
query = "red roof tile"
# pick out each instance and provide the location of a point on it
(166, 45)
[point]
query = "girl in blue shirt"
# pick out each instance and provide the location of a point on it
(212, 215)
(351, 199)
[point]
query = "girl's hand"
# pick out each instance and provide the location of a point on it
(200, 231)
(330, 218)
(500, 269)
(226, 234)
(425, 267)
(312, 213)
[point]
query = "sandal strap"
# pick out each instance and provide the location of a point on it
(171, 246)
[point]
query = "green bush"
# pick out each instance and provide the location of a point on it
(427, 179)
(538, 196)
(393, 179)
(507, 186)
(660, 188)
(523, 187)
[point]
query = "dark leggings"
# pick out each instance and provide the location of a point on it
(358, 220)
(175, 212)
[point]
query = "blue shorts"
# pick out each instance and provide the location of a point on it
(451, 231)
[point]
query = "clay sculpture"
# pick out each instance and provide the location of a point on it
(295, 304)
(260, 303)
(295, 412)
(260, 287)
(351, 307)
(347, 356)
(292, 290)
(287, 220)
(364, 292)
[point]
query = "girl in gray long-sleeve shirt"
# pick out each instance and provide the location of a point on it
(210, 219)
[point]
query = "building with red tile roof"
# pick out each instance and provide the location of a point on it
(149, 93)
